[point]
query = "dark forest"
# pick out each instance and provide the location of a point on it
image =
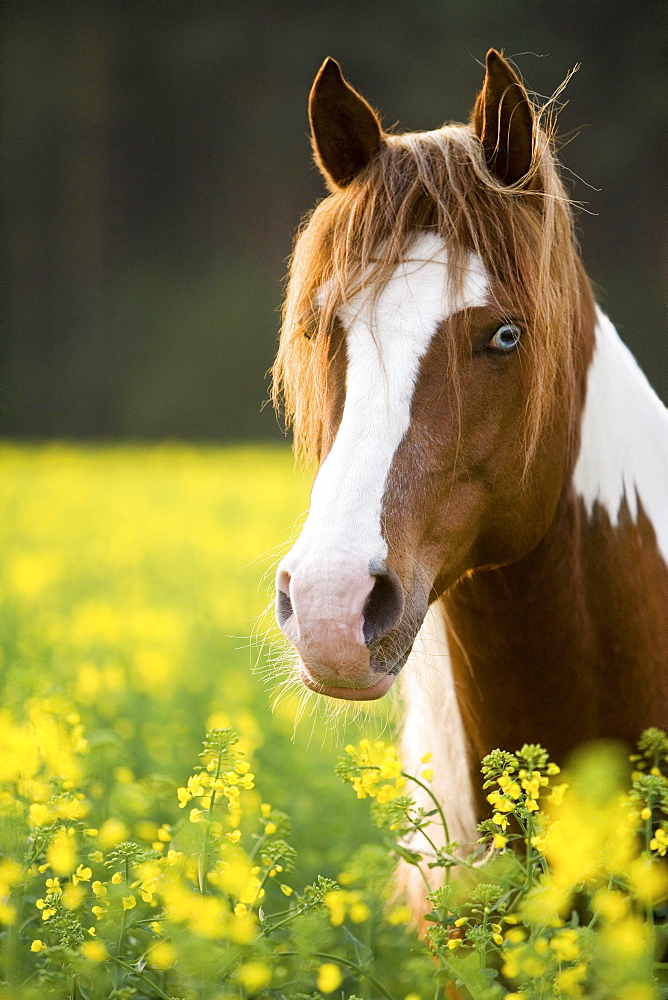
(156, 164)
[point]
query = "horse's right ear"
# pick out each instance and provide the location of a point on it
(346, 132)
(503, 121)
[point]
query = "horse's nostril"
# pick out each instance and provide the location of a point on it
(384, 607)
(283, 602)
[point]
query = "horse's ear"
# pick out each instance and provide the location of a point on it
(503, 121)
(346, 131)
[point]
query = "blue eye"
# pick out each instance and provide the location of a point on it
(506, 338)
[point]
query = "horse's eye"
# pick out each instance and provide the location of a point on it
(506, 338)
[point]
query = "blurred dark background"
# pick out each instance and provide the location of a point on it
(156, 163)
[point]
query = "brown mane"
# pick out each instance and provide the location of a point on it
(434, 180)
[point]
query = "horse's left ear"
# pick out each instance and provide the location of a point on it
(346, 131)
(503, 121)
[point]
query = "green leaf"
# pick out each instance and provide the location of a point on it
(363, 954)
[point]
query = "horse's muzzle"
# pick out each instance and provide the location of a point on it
(337, 620)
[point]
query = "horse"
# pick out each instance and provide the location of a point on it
(489, 517)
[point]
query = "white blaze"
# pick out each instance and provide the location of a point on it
(386, 338)
(624, 437)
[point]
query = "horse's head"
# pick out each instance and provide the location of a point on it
(425, 360)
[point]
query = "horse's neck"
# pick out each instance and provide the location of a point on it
(572, 641)
(624, 438)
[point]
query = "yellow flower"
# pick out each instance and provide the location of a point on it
(73, 896)
(254, 976)
(112, 832)
(659, 841)
(428, 774)
(147, 889)
(329, 977)
(399, 915)
(515, 935)
(335, 901)
(270, 828)
(359, 912)
(611, 904)
(37, 945)
(129, 902)
(648, 880)
(94, 950)
(162, 956)
(454, 943)
(499, 841)
(61, 854)
(556, 796)
(569, 981)
(565, 945)
(286, 890)
(38, 814)
(116, 878)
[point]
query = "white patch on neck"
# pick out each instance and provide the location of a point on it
(387, 336)
(433, 724)
(624, 437)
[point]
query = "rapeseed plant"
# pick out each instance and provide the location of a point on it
(559, 900)
(125, 874)
(208, 906)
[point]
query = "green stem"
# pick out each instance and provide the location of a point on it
(202, 861)
(433, 798)
(140, 975)
(428, 839)
(349, 965)
(281, 923)
(258, 844)
(124, 919)
(529, 851)
(649, 908)
(356, 968)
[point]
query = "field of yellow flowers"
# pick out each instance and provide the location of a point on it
(165, 834)
(133, 586)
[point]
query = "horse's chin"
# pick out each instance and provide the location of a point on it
(370, 693)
